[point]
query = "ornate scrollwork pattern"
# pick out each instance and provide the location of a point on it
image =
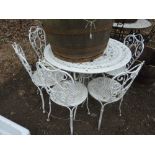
(37, 38)
(65, 89)
(122, 82)
(115, 56)
(136, 45)
(57, 75)
(21, 55)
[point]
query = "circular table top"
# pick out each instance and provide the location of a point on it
(116, 55)
(139, 24)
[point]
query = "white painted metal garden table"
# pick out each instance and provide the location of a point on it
(139, 24)
(116, 55)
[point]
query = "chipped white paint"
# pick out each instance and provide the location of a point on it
(116, 55)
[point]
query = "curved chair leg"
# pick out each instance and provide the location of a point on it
(87, 106)
(100, 118)
(82, 104)
(49, 113)
(71, 120)
(42, 99)
(75, 112)
(88, 110)
(120, 112)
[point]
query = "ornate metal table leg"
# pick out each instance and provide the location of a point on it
(75, 76)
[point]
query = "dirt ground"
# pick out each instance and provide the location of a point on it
(20, 102)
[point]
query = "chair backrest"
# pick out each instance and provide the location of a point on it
(135, 42)
(122, 82)
(21, 55)
(55, 74)
(37, 38)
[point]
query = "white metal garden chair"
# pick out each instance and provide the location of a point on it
(67, 93)
(36, 79)
(107, 90)
(38, 41)
(135, 42)
(37, 38)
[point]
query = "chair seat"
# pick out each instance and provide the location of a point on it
(99, 88)
(38, 81)
(117, 71)
(68, 94)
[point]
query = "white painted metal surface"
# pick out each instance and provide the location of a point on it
(8, 127)
(116, 55)
(35, 77)
(139, 24)
(67, 93)
(135, 42)
(107, 90)
(37, 38)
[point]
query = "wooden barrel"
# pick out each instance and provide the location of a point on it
(78, 40)
(125, 20)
